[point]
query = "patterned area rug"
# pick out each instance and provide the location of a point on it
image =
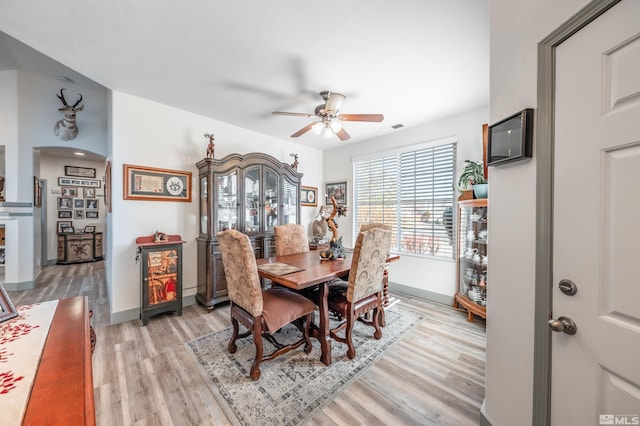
(294, 386)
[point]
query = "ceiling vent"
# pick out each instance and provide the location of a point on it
(397, 126)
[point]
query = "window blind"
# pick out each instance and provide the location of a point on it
(413, 191)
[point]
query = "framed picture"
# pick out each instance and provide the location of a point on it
(37, 192)
(78, 214)
(69, 191)
(337, 190)
(89, 228)
(68, 230)
(107, 186)
(65, 214)
(511, 139)
(78, 203)
(308, 196)
(151, 184)
(90, 214)
(7, 310)
(89, 193)
(84, 172)
(65, 203)
(92, 204)
(64, 224)
(69, 181)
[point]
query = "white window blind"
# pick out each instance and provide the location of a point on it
(413, 192)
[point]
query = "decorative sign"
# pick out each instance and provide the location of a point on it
(147, 183)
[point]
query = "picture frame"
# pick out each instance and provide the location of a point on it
(78, 203)
(92, 204)
(89, 228)
(511, 139)
(7, 309)
(308, 196)
(107, 186)
(78, 214)
(85, 172)
(337, 190)
(73, 181)
(68, 230)
(91, 214)
(65, 203)
(63, 224)
(154, 184)
(65, 214)
(69, 191)
(89, 193)
(37, 192)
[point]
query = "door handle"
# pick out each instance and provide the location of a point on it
(565, 324)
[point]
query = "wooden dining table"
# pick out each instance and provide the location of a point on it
(314, 271)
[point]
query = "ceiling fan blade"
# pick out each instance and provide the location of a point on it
(334, 102)
(361, 117)
(342, 134)
(304, 130)
(295, 114)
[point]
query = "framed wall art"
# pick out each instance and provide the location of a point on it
(72, 181)
(92, 204)
(91, 214)
(107, 186)
(152, 184)
(65, 203)
(337, 190)
(89, 193)
(69, 191)
(7, 310)
(78, 214)
(63, 224)
(511, 139)
(308, 196)
(65, 214)
(78, 203)
(89, 228)
(84, 172)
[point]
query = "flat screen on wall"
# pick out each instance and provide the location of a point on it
(511, 139)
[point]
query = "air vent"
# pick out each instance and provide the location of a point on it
(397, 126)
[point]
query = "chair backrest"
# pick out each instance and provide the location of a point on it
(368, 226)
(291, 239)
(369, 260)
(241, 271)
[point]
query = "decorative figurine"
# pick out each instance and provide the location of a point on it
(335, 250)
(211, 145)
(295, 162)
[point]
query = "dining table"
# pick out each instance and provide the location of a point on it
(304, 270)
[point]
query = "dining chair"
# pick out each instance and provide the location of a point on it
(261, 312)
(291, 239)
(362, 293)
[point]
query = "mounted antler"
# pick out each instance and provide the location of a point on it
(66, 129)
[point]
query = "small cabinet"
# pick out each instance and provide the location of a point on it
(252, 193)
(472, 258)
(161, 275)
(79, 247)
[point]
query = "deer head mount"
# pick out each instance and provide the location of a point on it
(66, 129)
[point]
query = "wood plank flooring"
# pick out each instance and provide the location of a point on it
(144, 375)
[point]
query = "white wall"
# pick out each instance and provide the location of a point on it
(435, 277)
(146, 133)
(516, 28)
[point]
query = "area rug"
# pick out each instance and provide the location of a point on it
(294, 386)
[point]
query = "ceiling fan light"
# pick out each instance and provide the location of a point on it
(328, 132)
(335, 125)
(317, 128)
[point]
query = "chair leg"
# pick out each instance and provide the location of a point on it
(232, 342)
(376, 322)
(351, 351)
(257, 340)
(307, 338)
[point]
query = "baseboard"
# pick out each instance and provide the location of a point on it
(483, 419)
(422, 294)
(134, 314)
(25, 285)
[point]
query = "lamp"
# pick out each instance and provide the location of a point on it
(328, 127)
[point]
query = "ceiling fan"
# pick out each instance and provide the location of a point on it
(330, 120)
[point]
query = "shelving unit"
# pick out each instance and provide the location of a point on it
(473, 233)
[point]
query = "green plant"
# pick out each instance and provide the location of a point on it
(473, 173)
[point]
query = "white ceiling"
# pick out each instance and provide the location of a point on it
(414, 61)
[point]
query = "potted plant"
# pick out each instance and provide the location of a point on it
(472, 177)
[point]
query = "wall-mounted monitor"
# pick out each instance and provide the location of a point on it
(511, 139)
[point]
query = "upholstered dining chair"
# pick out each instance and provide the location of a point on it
(362, 293)
(290, 239)
(261, 312)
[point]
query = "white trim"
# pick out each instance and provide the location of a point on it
(408, 148)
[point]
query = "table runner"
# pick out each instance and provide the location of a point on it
(278, 268)
(22, 340)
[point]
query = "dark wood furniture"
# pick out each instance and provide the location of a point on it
(161, 269)
(472, 272)
(251, 193)
(62, 392)
(77, 247)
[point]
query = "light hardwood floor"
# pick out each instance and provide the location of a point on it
(144, 375)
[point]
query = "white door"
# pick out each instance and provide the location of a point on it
(596, 224)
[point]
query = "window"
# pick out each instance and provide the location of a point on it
(413, 191)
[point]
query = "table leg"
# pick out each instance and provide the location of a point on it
(323, 331)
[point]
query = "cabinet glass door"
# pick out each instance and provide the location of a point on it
(271, 192)
(252, 200)
(204, 206)
(227, 185)
(290, 202)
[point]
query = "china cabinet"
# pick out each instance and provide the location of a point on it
(252, 193)
(472, 258)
